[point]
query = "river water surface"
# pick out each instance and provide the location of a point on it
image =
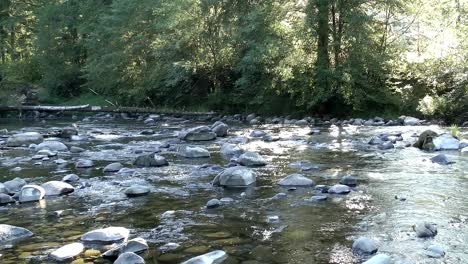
(397, 189)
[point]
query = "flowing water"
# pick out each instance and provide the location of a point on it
(174, 212)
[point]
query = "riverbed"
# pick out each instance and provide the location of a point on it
(397, 188)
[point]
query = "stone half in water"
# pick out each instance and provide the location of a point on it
(129, 258)
(364, 246)
(214, 257)
(238, 176)
(67, 251)
(10, 233)
(106, 235)
(379, 259)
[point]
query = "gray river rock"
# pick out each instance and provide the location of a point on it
(251, 159)
(24, 139)
(106, 235)
(9, 233)
(129, 258)
(214, 257)
(67, 252)
(235, 177)
(31, 193)
(296, 180)
(57, 188)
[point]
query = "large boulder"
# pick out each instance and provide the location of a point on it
(15, 185)
(214, 257)
(106, 235)
(200, 133)
(57, 188)
(150, 160)
(424, 141)
(52, 145)
(129, 258)
(230, 150)
(235, 177)
(251, 159)
(220, 129)
(31, 193)
(296, 180)
(194, 152)
(9, 233)
(27, 138)
(446, 142)
(364, 246)
(67, 252)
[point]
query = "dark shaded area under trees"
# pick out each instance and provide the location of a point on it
(332, 57)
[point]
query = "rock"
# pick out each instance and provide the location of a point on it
(386, 145)
(424, 141)
(213, 203)
(273, 219)
(301, 122)
(435, 251)
(147, 132)
(67, 251)
(296, 180)
(3, 189)
(27, 138)
(364, 246)
(464, 150)
(214, 257)
(441, 159)
(74, 149)
(6, 199)
(200, 133)
(31, 193)
(251, 159)
(46, 152)
(149, 121)
(270, 138)
(235, 177)
(70, 178)
(379, 259)
(257, 133)
(303, 165)
(349, 180)
(136, 245)
(250, 117)
(446, 142)
(57, 188)
(68, 132)
(137, 190)
(376, 141)
(10, 233)
(84, 163)
(220, 129)
(129, 258)
(425, 230)
(410, 121)
(339, 189)
(15, 185)
(229, 150)
(317, 198)
(150, 160)
(194, 152)
(106, 235)
(38, 157)
(52, 145)
(113, 167)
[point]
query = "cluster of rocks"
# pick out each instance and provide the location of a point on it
(18, 190)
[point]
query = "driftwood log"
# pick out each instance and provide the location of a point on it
(99, 109)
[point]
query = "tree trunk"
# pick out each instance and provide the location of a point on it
(323, 59)
(12, 43)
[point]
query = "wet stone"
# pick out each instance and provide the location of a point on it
(106, 235)
(67, 251)
(441, 159)
(213, 203)
(75, 149)
(14, 185)
(296, 180)
(364, 246)
(57, 188)
(70, 178)
(150, 160)
(379, 259)
(317, 198)
(425, 230)
(84, 163)
(31, 193)
(6, 199)
(339, 189)
(9, 233)
(435, 251)
(349, 181)
(194, 152)
(137, 190)
(214, 257)
(113, 167)
(129, 258)
(251, 159)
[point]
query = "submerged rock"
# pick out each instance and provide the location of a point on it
(194, 152)
(317, 198)
(425, 230)
(296, 180)
(386, 145)
(214, 257)
(75, 149)
(200, 133)
(435, 251)
(229, 150)
(70, 178)
(441, 159)
(129, 258)
(446, 142)
(136, 245)
(257, 133)
(84, 163)
(339, 189)
(303, 165)
(106, 235)
(67, 252)
(31, 193)
(57, 188)
(113, 167)
(150, 160)
(213, 203)
(9, 233)
(235, 177)
(251, 159)
(52, 145)
(349, 180)
(364, 246)
(379, 259)
(24, 139)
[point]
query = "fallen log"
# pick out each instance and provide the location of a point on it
(99, 109)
